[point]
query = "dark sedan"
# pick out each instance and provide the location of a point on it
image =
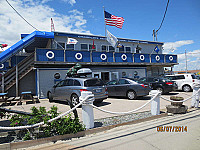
(164, 85)
(127, 88)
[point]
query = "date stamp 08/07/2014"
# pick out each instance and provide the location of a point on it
(172, 129)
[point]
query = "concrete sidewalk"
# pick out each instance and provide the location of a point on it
(140, 136)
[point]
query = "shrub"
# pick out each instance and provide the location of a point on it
(64, 125)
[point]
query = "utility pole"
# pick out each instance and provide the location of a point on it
(186, 61)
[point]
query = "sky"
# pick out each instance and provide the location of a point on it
(180, 30)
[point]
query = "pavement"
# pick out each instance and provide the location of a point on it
(111, 104)
(184, 135)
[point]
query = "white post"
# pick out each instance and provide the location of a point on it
(196, 94)
(87, 109)
(155, 104)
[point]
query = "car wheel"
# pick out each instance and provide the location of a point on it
(160, 90)
(186, 88)
(74, 99)
(50, 97)
(131, 95)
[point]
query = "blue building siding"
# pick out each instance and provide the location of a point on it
(42, 55)
(87, 56)
(120, 58)
(71, 56)
(171, 58)
(157, 58)
(141, 58)
(100, 56)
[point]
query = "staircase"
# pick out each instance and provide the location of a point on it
(24, 67)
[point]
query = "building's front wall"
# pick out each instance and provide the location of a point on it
(46, 76)
(146, 47)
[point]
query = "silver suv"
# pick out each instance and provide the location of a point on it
(70, 89)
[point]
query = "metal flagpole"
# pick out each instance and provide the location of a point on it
(104, 21)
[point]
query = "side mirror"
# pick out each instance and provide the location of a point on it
(54, 86)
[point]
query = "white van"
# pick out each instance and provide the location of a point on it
(183, 81)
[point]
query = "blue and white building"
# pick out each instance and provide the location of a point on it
(41, 59)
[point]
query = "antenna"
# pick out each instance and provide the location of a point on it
(52, 25)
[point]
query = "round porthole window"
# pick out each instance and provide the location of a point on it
(57, 75)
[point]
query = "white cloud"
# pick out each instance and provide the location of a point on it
(71, 2)
(193, 61)
(38, 14)
(168, 46)
(89, 11)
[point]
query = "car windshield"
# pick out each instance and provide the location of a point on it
(93, 82)
(165, 79)
(132, 81)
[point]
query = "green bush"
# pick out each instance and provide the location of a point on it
(64, 125)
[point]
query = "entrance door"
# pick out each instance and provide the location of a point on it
(105, 76)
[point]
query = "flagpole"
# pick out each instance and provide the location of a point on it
(104, 21)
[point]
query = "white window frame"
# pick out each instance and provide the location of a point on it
(87, 46)
(125, 49)
(107, 50)
(92, 49)
(69, 44)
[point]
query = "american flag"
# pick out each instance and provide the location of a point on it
(112, 20)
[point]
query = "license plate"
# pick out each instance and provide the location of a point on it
(98, 90)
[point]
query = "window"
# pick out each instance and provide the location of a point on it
(179, 77)
(93, 82)
(111, 49)
(143, 80)
(114, 82)
(77, 83)
(60, 45)
(84, 47)
(70, 47)
(104, 48)
(128, 49)
(90, 47)
(121, 49)
(123, 81)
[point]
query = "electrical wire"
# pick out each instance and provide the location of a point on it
(163, 16)
(21, 15)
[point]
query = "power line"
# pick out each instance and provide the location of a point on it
(155, 32)
(21, 15)
(163, 16)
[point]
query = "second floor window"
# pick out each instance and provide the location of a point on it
(128, 49)
(111, 49)
(70, 47)
(104, 48)
(84, 47)
(91, 48)
(121, 49)
(60, 45)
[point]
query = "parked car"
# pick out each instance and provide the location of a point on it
(127, 88)
(71, 88)
(183, 81)
(164, 85)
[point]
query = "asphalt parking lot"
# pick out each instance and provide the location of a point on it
(112, 104)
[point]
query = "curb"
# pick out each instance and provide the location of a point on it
(24, 144)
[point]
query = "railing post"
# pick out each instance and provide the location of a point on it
(196, 94)
(155, 104)
(87, 109)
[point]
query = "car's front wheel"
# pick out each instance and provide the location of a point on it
(187, 88)
(131, 95)
(74, 99)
